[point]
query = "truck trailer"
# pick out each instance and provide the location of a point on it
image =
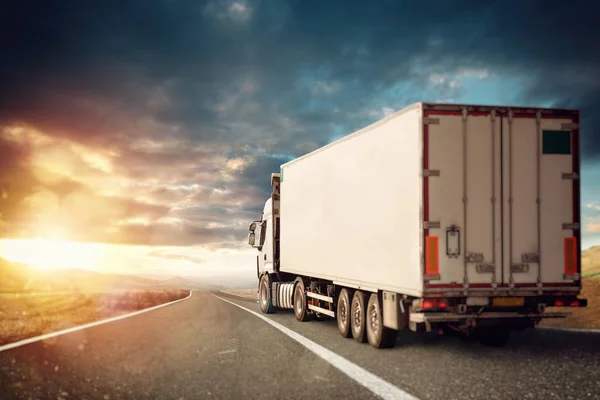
(462, 219)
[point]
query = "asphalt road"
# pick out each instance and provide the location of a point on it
(205, 347)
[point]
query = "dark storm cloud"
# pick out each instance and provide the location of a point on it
(266, 80)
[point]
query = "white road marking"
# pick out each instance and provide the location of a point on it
(372, 382)
(85, 326)
(227, 351)
(552, 328)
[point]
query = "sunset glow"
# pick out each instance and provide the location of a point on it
(51, 254)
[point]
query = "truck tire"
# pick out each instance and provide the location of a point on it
(264, 295)
(343, 313)
(357, 317)
(494, 337)
(300, 307)
(378, 335)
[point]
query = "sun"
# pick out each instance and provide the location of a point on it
(44, 253)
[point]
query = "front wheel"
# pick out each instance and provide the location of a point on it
(264, 294)
(378, 335)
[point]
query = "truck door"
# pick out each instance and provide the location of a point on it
(462, 185)
(501, 199)
(541, 200)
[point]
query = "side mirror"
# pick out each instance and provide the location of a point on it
(251, 238)
(252, 227)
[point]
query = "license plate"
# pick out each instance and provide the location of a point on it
(508, 301)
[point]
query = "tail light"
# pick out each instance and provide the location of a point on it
(559, 303)
(575, 303)
(434, 303)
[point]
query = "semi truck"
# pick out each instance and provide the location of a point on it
(461, 219)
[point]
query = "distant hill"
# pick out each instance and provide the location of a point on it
(590, 261)
(16, 277)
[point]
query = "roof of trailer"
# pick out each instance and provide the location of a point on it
(500, 108)
(569, 113)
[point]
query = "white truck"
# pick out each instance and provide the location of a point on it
(460, 218)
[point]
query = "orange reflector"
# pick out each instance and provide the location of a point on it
(432, 256)
(570, 255)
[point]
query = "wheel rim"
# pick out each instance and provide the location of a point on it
(263, 294)
(343, 312)
(298, 300)
(357, 317)
(373, 319)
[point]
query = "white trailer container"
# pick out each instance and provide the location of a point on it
(448, 216)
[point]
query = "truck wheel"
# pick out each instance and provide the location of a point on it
(300, 307)
(343, 313)
(494, 337)
(357, 317)
(378, 335)
(264, 295)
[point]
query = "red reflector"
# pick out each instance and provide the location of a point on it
(570, 255)
(559, 303)
(575, 303)
(432, 256)
(442, 304)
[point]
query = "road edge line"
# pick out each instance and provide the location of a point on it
(34, 339)
(578, 330)
(368, 380)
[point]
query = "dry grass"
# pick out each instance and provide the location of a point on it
(27, 315)
(587, 317)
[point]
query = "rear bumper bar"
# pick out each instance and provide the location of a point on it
(455, 317)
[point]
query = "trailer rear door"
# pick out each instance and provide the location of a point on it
(501, 199)
(541, 200)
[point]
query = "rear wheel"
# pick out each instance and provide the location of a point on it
(264, 293)
(300, 307)
(494, 337)
(343, 313)
(378, 335)
(357, 317)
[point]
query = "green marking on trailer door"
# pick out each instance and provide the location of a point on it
(280, 175)
(556, 142)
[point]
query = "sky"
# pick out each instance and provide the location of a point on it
(151, 128)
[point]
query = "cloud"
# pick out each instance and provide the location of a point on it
(172, 115)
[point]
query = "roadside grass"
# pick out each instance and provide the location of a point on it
(24, 315)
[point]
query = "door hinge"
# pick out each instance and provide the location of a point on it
(474, 257)
(570, 225)
(574, 277)
(570, 175)
(485, 268)
(431, 172)
(431, 225)
(519, 268)
(530, 258)
(569, 126)
(431, 121)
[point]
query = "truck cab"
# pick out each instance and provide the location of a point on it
(261, 238)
